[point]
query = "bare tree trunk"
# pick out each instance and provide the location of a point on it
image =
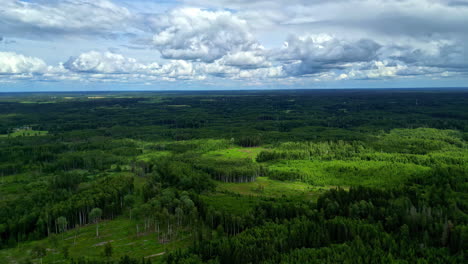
(168, 230)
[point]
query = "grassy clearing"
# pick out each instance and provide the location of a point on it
(121, 233)
(236, 153)
(351, 173)
(272, 188)
(153, 155)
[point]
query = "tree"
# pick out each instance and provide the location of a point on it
(108, 250)
(62, 224)
(179, 213)
(95, 216)
(129, 200)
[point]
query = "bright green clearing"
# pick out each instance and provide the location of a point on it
(351, 173)
(236, 153)
(263, 186)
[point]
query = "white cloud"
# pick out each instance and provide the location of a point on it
(263, 73)
(103, 62)
(218, 69)
(177, 69)
(246, 59)
(13, 63)
(378, 70)
(195, 34)
(111, 66)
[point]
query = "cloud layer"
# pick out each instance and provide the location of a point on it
(261, 42)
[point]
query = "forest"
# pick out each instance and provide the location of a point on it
(286, 176)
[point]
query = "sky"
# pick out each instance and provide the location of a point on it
(69, 45)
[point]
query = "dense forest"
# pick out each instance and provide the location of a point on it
(299, 176)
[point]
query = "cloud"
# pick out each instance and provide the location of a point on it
(7, 41)
(100, 66)
(12, 63)
(238, 40)
(94, 66)
(452, 56)
(177, 69)
(218, 69)
(457, 3)
(117, 67)
(388, 69)
(41, 19)
(311, 54)
(356, 18)
(246, 60)
(106, 62)
(203, 35)
(262, 73)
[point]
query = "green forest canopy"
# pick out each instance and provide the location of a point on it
(349, 176)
